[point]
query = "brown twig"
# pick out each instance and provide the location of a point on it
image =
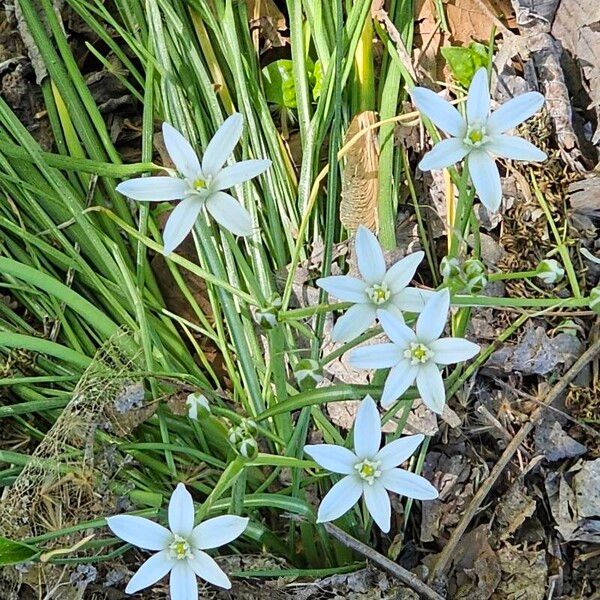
(411, 580)
(448, 551)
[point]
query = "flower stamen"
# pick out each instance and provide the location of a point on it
(368, 470)
(180, 548)
(418, 353)
(378, 293)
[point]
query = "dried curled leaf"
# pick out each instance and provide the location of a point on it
(359, 180)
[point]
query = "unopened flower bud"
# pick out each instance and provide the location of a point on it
(198, 406)
(473, 267)
(550, 271)
(477, 283)
(450, 267)
(308, 373)
(249, 426)
(236, 435)
(248, 448)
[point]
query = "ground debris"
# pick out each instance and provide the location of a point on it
(524, 573)
(536, 353)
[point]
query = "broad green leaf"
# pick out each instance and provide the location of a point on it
(12, 553)
(464, 61)
(280, 88)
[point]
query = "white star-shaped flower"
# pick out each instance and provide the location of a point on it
(199, 186)
(480, 137)
(179, 549)
(416, 356)
(369, 471)
(379, 290)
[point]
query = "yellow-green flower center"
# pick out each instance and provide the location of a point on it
(476, 136)
(418, 353)
(180, 548)
(368, 470)
(378, 293)
(199, 184)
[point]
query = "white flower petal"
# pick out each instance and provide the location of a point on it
(514, 112)
(206, 568)
(378, 504)
(443, 154)
(181, 512)
(154, 189)
(478, 99)
(369, 256)
(336, 459)
(239, 172)
(439, 111)
(377, 356)
(222, 144)
(218, 531)
(397, 331)
(400, 274)
(181, 152)
(453, 350)
(180, 223)
(431, 387)
(408, 484)
(412, 299)
(433, 317)
(340, 499)
(357, 320)
(183, 584)
(140, 532)
(367, 429)
(515, 148)
(155, 568)
(398, 381)
(344, 287)
(396, 452)
(229, 213)
(391, 311)
(486, 179)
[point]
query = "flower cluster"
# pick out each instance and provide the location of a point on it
(380, 295)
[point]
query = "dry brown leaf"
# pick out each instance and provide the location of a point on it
(359, 180)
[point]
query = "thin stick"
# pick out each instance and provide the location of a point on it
(411, 580)
(448, 551)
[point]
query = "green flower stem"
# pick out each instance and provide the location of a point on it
(520, 302)
(560, 244)
(514, 275)
(309, 311)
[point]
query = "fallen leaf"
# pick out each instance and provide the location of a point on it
(360, 185)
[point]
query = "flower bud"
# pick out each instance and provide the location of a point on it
(595, 300)
(267, 316)
(236, 435)
(450, 267)
(248, 448)
(473, 267)
(475, 276)
(198, 406)
(249, 427)
(308, 373)
(550, 271)
(477, 283)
